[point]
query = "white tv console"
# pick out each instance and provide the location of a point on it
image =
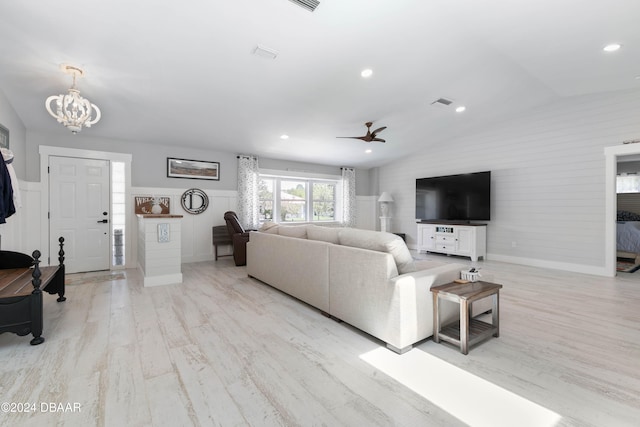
(453, 239)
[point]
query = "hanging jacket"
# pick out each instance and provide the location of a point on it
(7, 208)
(8, 160)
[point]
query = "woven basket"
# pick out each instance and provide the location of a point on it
(472, 277)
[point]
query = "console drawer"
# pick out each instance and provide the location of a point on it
(441, 247)
(444, 240)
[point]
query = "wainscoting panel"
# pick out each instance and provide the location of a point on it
(196, 229)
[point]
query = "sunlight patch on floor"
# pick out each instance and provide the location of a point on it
(470, 399)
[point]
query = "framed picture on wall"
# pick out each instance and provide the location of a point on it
(4, 137)
(194, 169)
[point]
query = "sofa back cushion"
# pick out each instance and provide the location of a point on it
(324, 234)
(269, 227)
(299, 231)
(381, 242)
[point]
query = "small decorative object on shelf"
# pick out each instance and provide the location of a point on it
(470, 275)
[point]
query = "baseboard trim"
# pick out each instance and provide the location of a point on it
(565, 266)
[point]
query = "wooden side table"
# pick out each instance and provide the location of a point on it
(470, 330)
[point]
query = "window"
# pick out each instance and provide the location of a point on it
(298, 199)
(118, 209)
(324, 201)
(628, 183)
(265, 197)
(293, 201)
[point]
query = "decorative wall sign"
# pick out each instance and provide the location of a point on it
(195, 169)
(4, 137)
(195, 201)
(152, 205)
(163, 233)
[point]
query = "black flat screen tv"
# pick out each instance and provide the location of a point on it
(465, 197)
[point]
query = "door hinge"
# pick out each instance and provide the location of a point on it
(49, 260)
(48, 169)
(48, 215)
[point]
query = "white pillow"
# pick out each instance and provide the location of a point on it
(324, 234)
(299, 231)
(267, 225)
(381, 242)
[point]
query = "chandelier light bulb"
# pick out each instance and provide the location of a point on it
(72, 110)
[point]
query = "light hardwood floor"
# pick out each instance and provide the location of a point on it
(224, 349)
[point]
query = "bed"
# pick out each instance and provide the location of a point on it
(628, 236)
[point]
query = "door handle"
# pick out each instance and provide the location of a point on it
(104, 221)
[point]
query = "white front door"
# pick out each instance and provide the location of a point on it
(79, 194)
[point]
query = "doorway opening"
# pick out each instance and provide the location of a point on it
(612, 156)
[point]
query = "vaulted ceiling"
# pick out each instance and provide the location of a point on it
(184, 73)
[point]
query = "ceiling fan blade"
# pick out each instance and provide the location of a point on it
(379, 130)
(378, 139)
(351, 137)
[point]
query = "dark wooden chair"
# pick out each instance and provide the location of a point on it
(239, 237)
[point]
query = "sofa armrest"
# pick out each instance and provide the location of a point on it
(411, 310)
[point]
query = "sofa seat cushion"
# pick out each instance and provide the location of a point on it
(381, 242)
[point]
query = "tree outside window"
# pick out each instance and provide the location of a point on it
(265, 198)
(293, 201)
(324, 201)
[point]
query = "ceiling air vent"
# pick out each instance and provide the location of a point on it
(310, 5)
(265, 52)
(442, 102)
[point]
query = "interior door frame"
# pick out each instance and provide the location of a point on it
(611, 169)
(48, 151)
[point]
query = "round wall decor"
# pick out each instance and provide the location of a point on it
(194, 201)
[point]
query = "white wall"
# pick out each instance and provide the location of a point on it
(11, 233)
(548, 179)
(22, 231)
(17, 135)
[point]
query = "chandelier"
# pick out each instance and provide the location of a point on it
(71, 109)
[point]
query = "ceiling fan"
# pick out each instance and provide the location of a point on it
(370, 136)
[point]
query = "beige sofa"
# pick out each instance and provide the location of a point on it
(353, 275)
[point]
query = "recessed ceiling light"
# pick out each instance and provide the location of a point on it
(284, 136)
(460, 109)
(368, 151)
(367, 73)
(612, 47)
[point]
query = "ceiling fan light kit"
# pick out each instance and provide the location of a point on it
(72, 110)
